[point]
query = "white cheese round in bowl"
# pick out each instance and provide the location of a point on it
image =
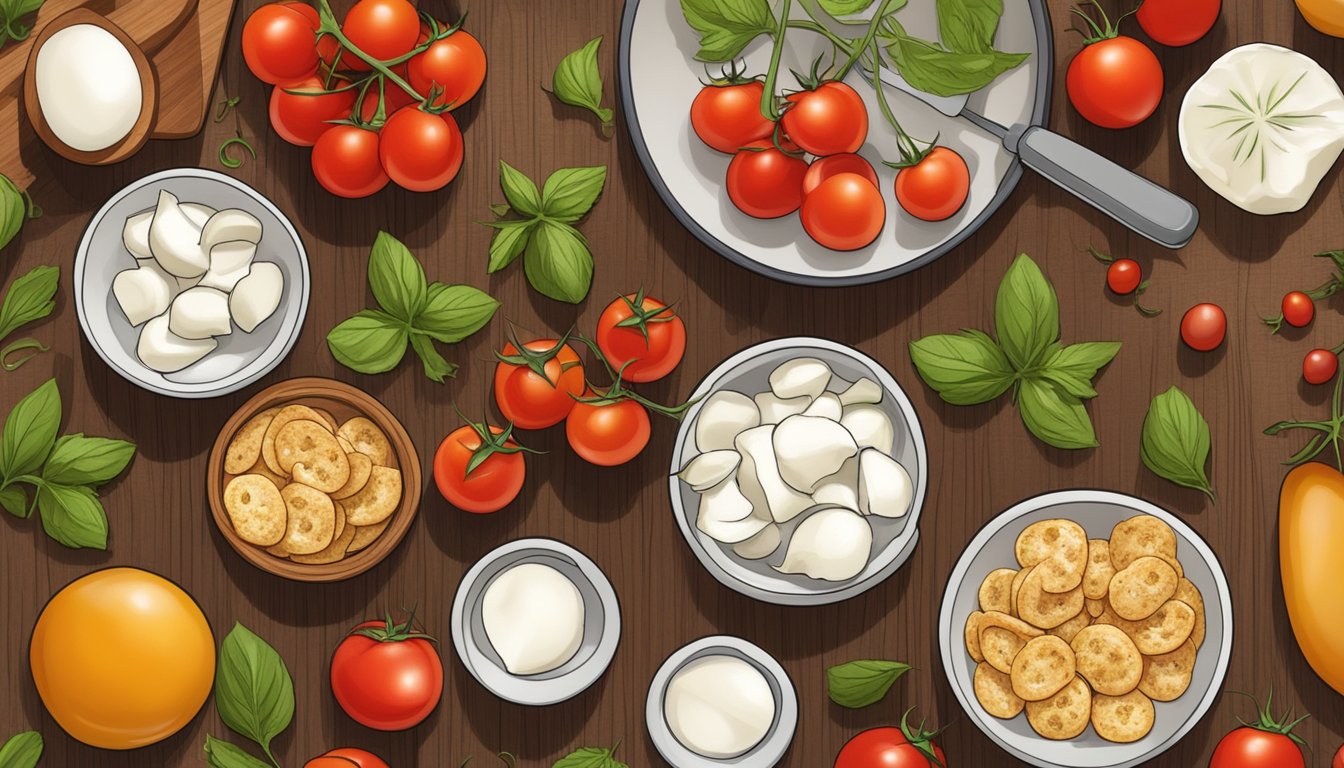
(533, 617)
(88, 87)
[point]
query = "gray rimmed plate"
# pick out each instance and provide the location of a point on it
(1097, 512)
(601, 629)
(894, 540)
(241, 358)
(769, 751)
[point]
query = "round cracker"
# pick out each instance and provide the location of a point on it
(361, 469)
(1016, 587)
(1138, 590)
(1059, 548)
(1094, 608)
(1100, 569)
(368, 439)
(1108, 659)
(1064, 715)
(283, 417)
(335, 551)
(1045, 609)
(973, 636)
(1163, 632)
(378, 499)
(1188, 593)
(311, 455)
(994, 691)
(1141, 536)
(996, 591)
(1011, 623)
(999, 647)
(1123, 719)
(245, 448)
(1070, 629)
(256, 509)
(312, 519)
(367, 534)
(1166, 677)
(1042, 668)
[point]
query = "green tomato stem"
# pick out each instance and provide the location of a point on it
(330, 27)
(867, 40)
(768, 107)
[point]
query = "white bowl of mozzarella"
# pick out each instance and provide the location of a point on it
(799, 474)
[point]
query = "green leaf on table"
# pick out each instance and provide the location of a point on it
(396, 278)
(558, 263)
(13, 210)
(30, 431)
(964, 369)
(969, 26)
(222, 754)
(22, 750)
(14, 501)
(370, 342)
(80, 460)
(862, 683)
(1026, 313)
(1055, 416)
(1175, 443)
(519, 190)
(72, 515)
(29, 298)
(11, 16)
(844, 7)
(509, 241)
(933, 69)
(571, 192)
(454, 312)
(590, 757)
(1074, 367)
(578, 83)
(253, 690)
(726, 27)
(436, 368)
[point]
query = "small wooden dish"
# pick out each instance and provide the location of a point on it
(344, 402)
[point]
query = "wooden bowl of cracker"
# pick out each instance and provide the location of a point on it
(313, 480)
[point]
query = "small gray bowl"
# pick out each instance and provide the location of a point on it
(241, 358)
(769, 751)
(601, 628)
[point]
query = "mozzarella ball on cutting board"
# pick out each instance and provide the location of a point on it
(87, 85)
(200, 313)
(164, 351)
(257, 296)
(533, 617)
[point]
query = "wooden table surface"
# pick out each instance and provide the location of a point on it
(982, 459)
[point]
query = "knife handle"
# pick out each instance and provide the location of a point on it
(1154, 212)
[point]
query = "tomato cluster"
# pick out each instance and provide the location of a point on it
(373, 96)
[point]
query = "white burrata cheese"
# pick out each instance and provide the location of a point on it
(719, 706)
(88, 87)
(533, 617)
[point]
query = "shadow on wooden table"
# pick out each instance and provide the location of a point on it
(518, 729)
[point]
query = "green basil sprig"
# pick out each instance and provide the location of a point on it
(862, 683)
(1176, 442)
(1050, 381)
(726, 26)
(591, 757)
(412, 312)
(15, 206)
(845, 7)
(64, 473)
(23, 750)
(578, 83)
(12, 13)
(29, 299)
(556, 257)
(254, 695)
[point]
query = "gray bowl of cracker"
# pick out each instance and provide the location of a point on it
(1086, 629)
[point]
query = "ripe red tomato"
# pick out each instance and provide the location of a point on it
(1298, 309)
(394, 98)
(347, 757)
(764, 182)
(824, 168)
(935, 188)
(1123, 276)
(345, 162)
(328, 761)
(1178, 22)
(456, 64)
(491, 485)
(827, 120)
(728, 117)
(1204, 327)
(608, 435)
(535, 387)
(387, 676)
(1250, 747)
(301, 120)
(1320, 366)
(280, 44)
(1115, 82)
(1338, 762)
(383, 29)
(890, 748)
(845, 213)
(641, 337)
(421, 151)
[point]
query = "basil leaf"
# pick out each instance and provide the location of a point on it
(578, 83)
(253, 690)
(396, 278)
(571, 192)
(1026, 313)
(370, 342)
(222, 754)
(13, 211)
(72, 515)
(965, 369)
(1055, 416)
(14, 501)
(23, 750)
(436, 368)
(1175, 443)
(859, 684)
(969, 26)
(558, 263)
(29, 298)
(509, 241)
(590, 757)
(844, 7)
(30, 431)
(933, 69)
(519, 190)
(80, 460)
(726, 26)
(454, 312)
(1073, 367)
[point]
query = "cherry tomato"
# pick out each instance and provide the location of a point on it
(387, 676)
(300, 119)
(329, 761)
(347, 757)
(1178, 22)
(1123, 276)
(608, 435)
(1298, 309)
(382, 29)
(492, 485)
(346, 164)
(1204, 327)
(456, 64)
(280, 44)
(728, 117)
(1320, 366)
(1250, 747)
(845, 213)
(421, 151)
(526, 397)
(824, 168)
(827, 120)
(327, 46)
(1115, 82)
(764, 182)
(888, 748)
(641, 337)
(935, 188)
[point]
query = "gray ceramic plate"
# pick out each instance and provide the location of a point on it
(777, 740)
(660, 78)
(1097, 512)
(894, 540)
(241, 358)
(601, 629)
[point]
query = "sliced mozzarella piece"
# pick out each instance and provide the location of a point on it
(229, 225)
(229, 263)
(760, 546)
(800, 377)
(826, 406)
(135, 235)
(724, 416)
(200, 313)
(831, 544)
(257, 296)
(709, 469)
(870, 427)
(864, 390)
(760, 480)
(199, 214)
(163, 351)
(145, 292)
(808, 448)
(840, 489)
(774, 410)
(885, 488)
(725, 514)
(175, 241)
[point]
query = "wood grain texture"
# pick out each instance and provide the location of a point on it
(982, 459)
